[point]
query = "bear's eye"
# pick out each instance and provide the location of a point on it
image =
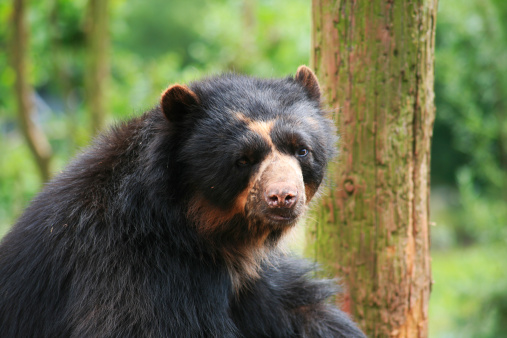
(302, 152)
(243, 162)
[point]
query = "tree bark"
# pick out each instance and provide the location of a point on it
(97, 30)
(36, 139)
(375, 62)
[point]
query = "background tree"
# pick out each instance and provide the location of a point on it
(36, 139)
(97, 29)
(375, 63)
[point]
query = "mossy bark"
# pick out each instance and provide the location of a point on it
(374, 60)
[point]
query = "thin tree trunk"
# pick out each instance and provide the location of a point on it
(36, 139)
(98, 62)
(375, 63)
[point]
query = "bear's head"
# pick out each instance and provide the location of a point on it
(253, 153)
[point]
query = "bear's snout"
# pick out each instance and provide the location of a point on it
(281, 195)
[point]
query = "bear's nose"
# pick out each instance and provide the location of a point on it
(281, 195)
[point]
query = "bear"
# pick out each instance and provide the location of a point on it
(170, 224)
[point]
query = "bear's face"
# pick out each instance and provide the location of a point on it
(254, 153)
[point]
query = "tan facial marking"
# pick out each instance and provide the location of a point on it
(241, 117)
(262, 128)
(208, 218)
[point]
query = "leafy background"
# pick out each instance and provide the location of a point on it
(156, 43)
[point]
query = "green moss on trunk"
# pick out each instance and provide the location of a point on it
(375, 63)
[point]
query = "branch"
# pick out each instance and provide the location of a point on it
(36, 139)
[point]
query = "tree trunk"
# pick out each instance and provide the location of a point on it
(375, 63)
(98, 62)
(36, 139)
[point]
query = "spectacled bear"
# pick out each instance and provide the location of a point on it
(169, 224)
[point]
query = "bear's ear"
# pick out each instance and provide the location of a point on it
(307, 78)
(176, 101)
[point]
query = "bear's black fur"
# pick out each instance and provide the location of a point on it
(168, 225)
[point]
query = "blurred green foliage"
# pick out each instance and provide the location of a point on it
(470, 137)
(156, 43)
(468, 298)
(469, 171)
